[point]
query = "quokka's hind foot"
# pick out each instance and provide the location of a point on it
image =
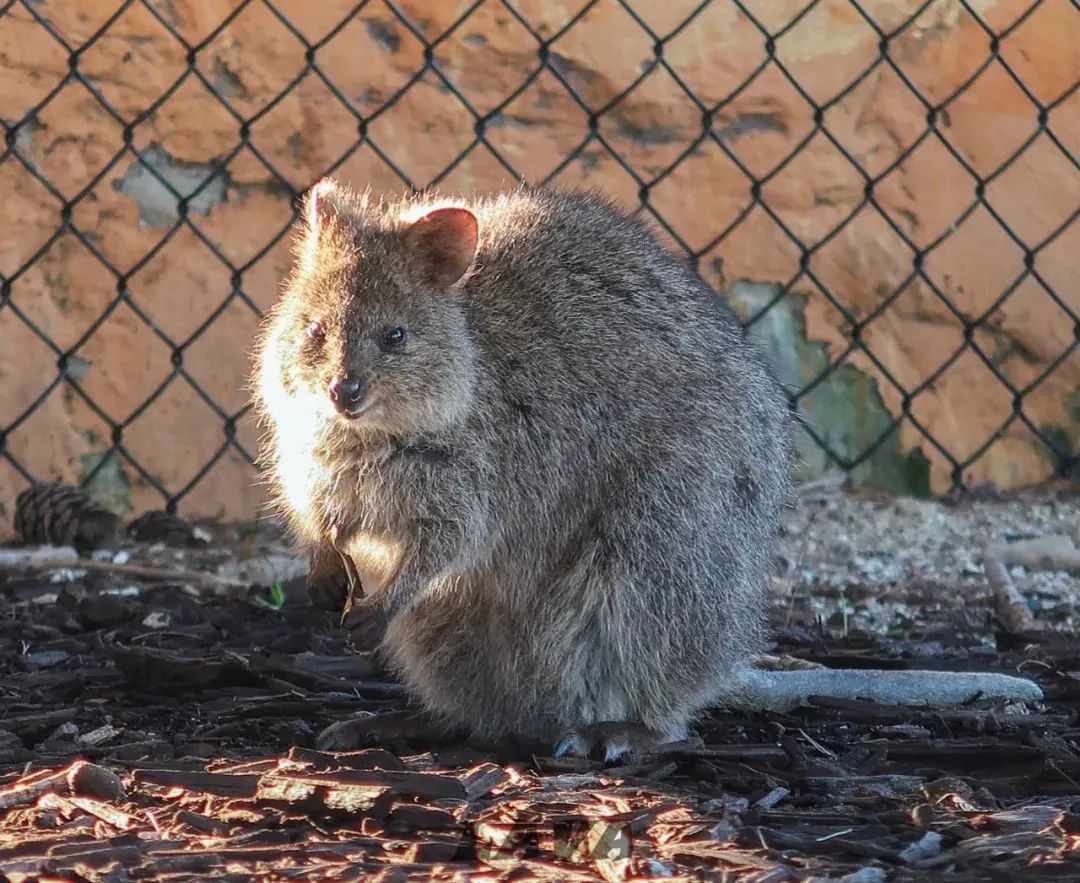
(611, 741)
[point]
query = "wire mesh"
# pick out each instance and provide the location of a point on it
(484, 121)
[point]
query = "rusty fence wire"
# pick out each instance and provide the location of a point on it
(547, 62)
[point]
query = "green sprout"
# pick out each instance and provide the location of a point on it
(845, 612)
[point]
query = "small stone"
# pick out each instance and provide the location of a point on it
(159, 526)
(12, 749)
(927, 847)
(66, 575)
(96, 781)
(100, 611)
(265, 570)
(729, 805)
(66, 732)
(157, 619)
(104, 733)
(123, 592)
(864, 875)
(42, 659)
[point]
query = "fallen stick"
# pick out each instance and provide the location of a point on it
(55, 557)
(1009, 604)
(786, 690)
(1053, 552)
(166, 574)
(822, 488)
(222, 784)
(38, 557)
(784, 663)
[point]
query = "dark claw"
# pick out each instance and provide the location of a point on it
(615, 748)
(613, 740)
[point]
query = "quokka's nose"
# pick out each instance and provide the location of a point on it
(347, 394)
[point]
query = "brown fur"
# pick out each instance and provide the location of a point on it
(566, 490)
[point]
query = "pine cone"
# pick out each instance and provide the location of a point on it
(60, 514)
(159, 526)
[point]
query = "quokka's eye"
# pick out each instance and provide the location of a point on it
(394, 338)
(315, 331)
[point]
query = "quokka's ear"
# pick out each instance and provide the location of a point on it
(323, 205)
(443, 244)
(322, 202)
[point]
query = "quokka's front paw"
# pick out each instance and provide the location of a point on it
(327, 581)
(365, 623)
(329, 591)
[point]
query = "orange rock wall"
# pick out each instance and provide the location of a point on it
(169, 290)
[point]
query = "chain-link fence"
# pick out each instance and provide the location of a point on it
(744, 118)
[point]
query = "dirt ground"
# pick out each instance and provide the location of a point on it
(165, 728)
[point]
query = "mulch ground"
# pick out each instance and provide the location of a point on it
(157, 731)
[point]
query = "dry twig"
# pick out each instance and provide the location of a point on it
(1053, 552)
(55, 557)
(1009, 604)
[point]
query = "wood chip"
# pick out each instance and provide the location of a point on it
(481, 780)
(435, 852)
(777, 795)
(411, 817)
(68, 805)
(401, 783)
(366, 759)
(325, 798)
(79, 777)
(201, 823)
(207, 783)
